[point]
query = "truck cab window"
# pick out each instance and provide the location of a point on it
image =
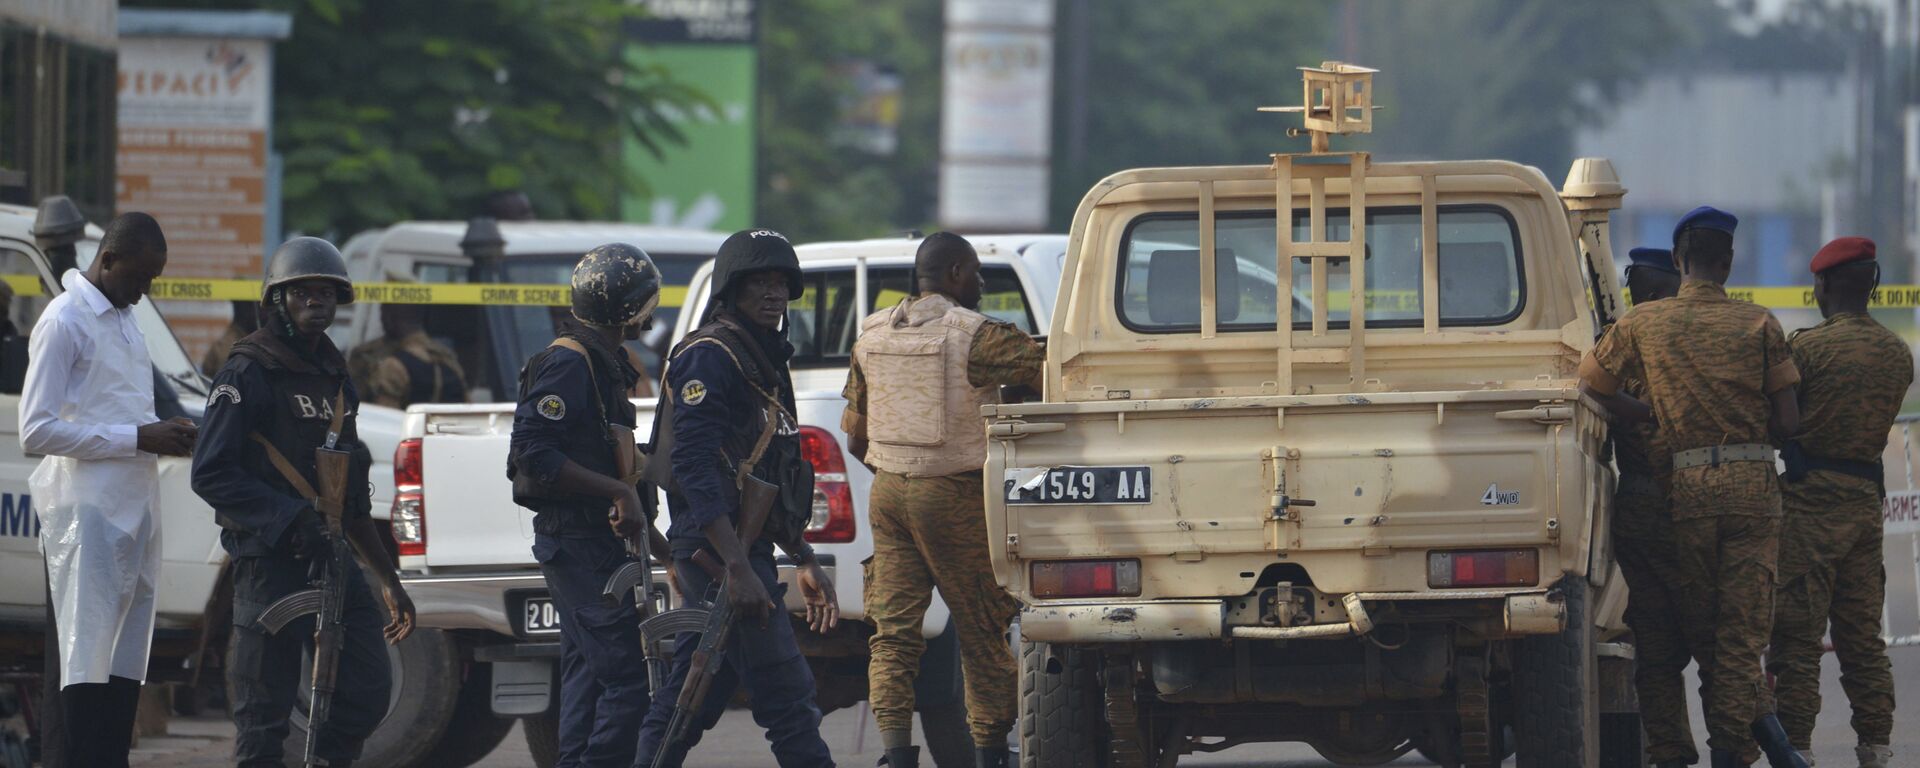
(1479, 270)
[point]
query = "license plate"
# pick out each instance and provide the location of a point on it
(1080, 485)
(539, 617)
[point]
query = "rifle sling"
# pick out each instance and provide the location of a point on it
(285, 467)
(600, 406)
(770, 414)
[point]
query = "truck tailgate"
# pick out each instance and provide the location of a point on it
(471, 519)
(1390, 475)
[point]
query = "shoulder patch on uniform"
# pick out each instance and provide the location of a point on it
(223, 392)
(552, 407)
(693, 393)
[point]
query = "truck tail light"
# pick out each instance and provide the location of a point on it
(409, 504)
(1484, 568)
(1085, 578)
(832, 520)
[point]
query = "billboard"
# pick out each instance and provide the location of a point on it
(708, 182)
(193, 121)
(996, 115)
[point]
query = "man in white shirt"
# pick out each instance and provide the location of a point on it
(88, 407)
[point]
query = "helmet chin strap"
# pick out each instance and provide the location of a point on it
(277, 304)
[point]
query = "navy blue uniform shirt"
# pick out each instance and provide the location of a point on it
(715, 418)
(562, 417)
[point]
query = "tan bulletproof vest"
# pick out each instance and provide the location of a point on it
(923, 418)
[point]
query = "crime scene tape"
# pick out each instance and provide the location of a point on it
(486, 294)
(544, 295)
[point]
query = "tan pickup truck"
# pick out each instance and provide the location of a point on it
(1374, 532)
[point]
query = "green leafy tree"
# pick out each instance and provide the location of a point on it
(1173, 82)
(812, 185)
(386, 111)
(1505, 79)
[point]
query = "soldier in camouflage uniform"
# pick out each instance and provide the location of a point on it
(405, 365)
(1721, 380)
(1643, 545)
(1855, 374)
(920, 372)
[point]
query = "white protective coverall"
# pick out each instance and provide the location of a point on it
(89, 388)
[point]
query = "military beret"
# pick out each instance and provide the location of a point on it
(1706, 217)
(1843, 250)
(1653, 258)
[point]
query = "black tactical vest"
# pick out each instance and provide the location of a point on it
(422, 375)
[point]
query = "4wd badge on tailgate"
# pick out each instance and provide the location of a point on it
(1079, 485)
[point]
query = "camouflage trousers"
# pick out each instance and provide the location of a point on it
(1831, 570)
(1643, 545)
(931, 532)
(1727, 566)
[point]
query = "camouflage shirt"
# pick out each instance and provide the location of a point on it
(1638, 449)
(1710, 364)
(1856, 374)
(1001, 355)
(377, 371)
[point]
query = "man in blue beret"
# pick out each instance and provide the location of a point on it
(1720, 382)
(1642, 529)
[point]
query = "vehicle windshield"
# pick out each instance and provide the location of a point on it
(1480, 276)
(822, 324)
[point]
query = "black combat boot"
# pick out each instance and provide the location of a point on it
(1723, 759)
(1773, 741)
(991, 757)
(902, 757)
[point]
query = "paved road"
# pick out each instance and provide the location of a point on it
(738, 742)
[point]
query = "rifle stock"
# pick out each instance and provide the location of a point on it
(331, 468)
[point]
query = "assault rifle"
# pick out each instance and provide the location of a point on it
(637, 572)
(714, 622)
(327, 597)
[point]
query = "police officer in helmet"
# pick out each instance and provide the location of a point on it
(564, 462)
(283, 393)
(727, 413)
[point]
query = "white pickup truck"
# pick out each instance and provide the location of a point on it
(467, 558)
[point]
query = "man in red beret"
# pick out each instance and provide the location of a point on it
(1853, 375)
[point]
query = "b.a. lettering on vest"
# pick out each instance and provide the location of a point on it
(309, 409)
(923, 417)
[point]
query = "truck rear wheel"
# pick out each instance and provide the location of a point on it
(543, 737)
(474, 731)
(1556, 694)
(1061, 708)
(426, 686)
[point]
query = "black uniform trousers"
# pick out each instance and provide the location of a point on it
(264, 671)
(603, 672)
(766, 660)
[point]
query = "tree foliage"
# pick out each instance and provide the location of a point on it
(812, 186)
(1504, 79)
(1173, 82)
(386, 111)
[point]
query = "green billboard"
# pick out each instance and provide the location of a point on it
(707, 182)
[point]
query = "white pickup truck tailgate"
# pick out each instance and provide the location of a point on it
(471, 519)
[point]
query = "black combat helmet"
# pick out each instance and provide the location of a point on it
(613, 285)
(307, 258)
(755, 250)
